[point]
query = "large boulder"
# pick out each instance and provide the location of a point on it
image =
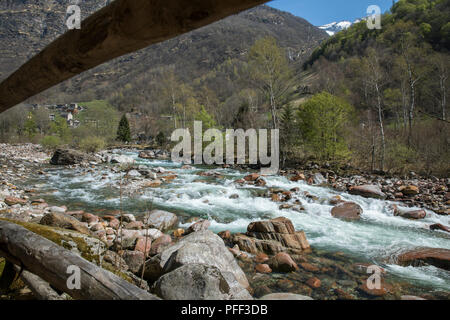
(199, 282)
(367, 191)
(63, 157)
(162, 220)
(272, 237)
(439, 258)
(64, 221)
(347, 211)
(203, 247)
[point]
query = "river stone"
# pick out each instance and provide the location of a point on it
(64, 221)
(439, 226)
(439, 258)
(63, 157)
(198, 226)
(282, 262)
(202, 247)
(11, 201)
(162, 220)
(271, 237)
(134, 259)
(347, 211)
(199, 282)
(134, 174)
(318, 179)
(411, 214)
(368, 191)
(285, 296)
(121, 159)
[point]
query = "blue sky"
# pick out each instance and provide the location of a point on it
(320, 12)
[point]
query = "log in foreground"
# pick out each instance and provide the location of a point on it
(122, 27)
(40, 288)
(51, 263)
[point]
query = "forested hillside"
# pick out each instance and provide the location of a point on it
(397, 78)
(376, 99)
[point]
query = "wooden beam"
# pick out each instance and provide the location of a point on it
(51, 263)
(122, 27)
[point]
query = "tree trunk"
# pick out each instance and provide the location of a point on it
(380, 119)
(53, 263)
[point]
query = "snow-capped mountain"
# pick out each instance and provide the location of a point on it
(334, 27)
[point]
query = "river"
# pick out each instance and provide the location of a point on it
(377, 237)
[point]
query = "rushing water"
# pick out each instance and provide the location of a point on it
(375, 238)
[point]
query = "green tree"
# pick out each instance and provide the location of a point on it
(323, 120)
(270, 72)
(60, 128)
(288, 132)
(207, 119)
(123, 132)
(30, 127)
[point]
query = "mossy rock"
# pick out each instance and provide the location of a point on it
(88, 247)
(91, 249)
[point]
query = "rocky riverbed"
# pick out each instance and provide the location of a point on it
(310, 233)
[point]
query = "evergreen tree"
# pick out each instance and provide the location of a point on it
(288, 132)
(123, 132)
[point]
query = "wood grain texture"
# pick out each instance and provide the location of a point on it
(122, 27)
(50, 262)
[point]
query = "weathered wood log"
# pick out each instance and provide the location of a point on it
(40, 288)
(52, 263)
(122, 27)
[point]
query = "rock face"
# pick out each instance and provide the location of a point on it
(368, 191)
(272, 237)
(64, 221)
(203, 247)
(197, 282)
(439, 258)
(63, 157)
(162, 220)
(347, 211)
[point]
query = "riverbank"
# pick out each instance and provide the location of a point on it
(227, 201)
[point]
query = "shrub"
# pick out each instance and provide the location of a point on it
(51, 142)
(161, 139)
(92, 144)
